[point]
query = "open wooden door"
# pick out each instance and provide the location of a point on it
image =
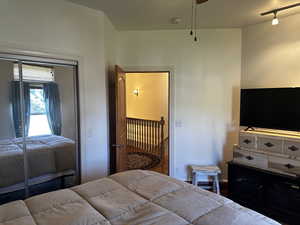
(121, 127)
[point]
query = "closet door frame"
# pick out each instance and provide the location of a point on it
(24, 146)
(44, 61)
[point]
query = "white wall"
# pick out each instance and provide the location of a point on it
(61, 28)
(152, 102)
(206, 86)
(110, 45)
(110, 50)
(271, 54)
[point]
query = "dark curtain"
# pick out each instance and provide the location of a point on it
(16, 105)
(53, 109)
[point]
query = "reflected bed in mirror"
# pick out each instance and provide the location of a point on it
(49, 156)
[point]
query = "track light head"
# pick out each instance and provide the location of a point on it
(275, 20)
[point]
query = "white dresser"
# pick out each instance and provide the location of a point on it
(272, 151)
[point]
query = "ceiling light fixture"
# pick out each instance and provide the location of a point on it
(194, 18)
(275, 20)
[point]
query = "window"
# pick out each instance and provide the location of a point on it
(39, 124)
(35, 76)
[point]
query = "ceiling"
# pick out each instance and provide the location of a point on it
(157, 14)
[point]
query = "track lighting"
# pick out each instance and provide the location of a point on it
(275, 20)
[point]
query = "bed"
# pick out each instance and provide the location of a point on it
(134, 197)
(49, 157)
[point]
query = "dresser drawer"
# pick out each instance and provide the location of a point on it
(248, 141)
(250, 158)
(291, 148)
(270, 145)
(285, 165)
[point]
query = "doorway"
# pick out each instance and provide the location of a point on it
(142, 121)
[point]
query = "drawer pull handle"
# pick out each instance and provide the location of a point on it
(289, 166)
(249, 157)
(295, 187)
(247, 141)
(293, 148)
(269, 144)
(241, 180)
(260, 187)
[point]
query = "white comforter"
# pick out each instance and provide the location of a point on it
(46, 154)
(130, 198)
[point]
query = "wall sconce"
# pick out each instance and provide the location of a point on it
(136, 92)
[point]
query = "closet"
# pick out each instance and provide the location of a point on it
(39, 126)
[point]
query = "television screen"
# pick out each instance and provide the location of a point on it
(273, 108)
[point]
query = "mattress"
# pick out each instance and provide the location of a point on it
(47, 154)
(130, 198)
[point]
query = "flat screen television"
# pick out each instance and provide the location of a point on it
(273, 108)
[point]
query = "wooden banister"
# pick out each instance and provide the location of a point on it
(162, 123)
(146, 136)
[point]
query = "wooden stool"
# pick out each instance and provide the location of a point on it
(209, 171)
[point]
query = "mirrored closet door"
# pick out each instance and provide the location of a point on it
(12, 169)
(39, 132)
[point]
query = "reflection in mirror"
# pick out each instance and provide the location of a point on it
(11, 148)
(50, 129)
